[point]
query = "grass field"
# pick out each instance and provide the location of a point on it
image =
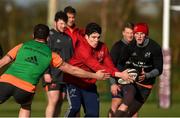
(10, 109)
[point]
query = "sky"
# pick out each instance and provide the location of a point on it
(26, 3)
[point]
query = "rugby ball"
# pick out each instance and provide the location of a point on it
(132, 73)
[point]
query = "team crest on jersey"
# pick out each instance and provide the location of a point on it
(147, 55)
(134, 54)
(100, 56)
(72, 92)
(58, 41)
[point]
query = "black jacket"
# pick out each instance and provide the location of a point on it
(60, 43)
(119, 57)
(148, 56)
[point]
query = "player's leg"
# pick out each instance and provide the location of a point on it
(74, 100)
(134, 108)
(115, 102)
(23, 98)
(6, 91)
(140, 98)
(78, 113)
(90, 101)
(54, 97)
(129, 92)
(62, 96)
(135, 115)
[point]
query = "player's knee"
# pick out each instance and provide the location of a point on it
(123, 107)
(54, 101)
(114, 107)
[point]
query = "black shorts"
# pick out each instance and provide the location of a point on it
(127, 94)
(55, 86)
(21, 96)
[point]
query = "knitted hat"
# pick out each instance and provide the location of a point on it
(141, 27)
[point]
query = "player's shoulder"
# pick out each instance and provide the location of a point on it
(119, 42)
(52, 32)
(133, 43)
(53, 35)
(154, 44)
(66, 36)
(82, 45)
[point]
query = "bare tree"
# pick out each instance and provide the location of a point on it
(104, 21)
(117, 12)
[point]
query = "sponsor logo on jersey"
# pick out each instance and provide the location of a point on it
(32, 59)
(100, 56)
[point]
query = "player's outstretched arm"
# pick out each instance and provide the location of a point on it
(76, 71)
(10, 56)
(5, 60)
(106, 75)
(124, 75)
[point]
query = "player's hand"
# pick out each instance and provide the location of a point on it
(115, 89)
(124, 75)
(102, 75)
(47, 78)
(142, 76)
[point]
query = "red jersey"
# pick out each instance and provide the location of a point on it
(90, 59)
(73, 33)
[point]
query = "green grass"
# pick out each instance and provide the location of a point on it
(152, 110)
(10, 109)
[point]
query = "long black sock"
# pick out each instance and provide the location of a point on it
(119, 113)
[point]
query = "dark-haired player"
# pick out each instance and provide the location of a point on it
(72, 30)
(91, 55)
(122, 94)
(60, 43)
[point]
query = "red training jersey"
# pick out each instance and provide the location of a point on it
(90, 59)
(73, 33)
